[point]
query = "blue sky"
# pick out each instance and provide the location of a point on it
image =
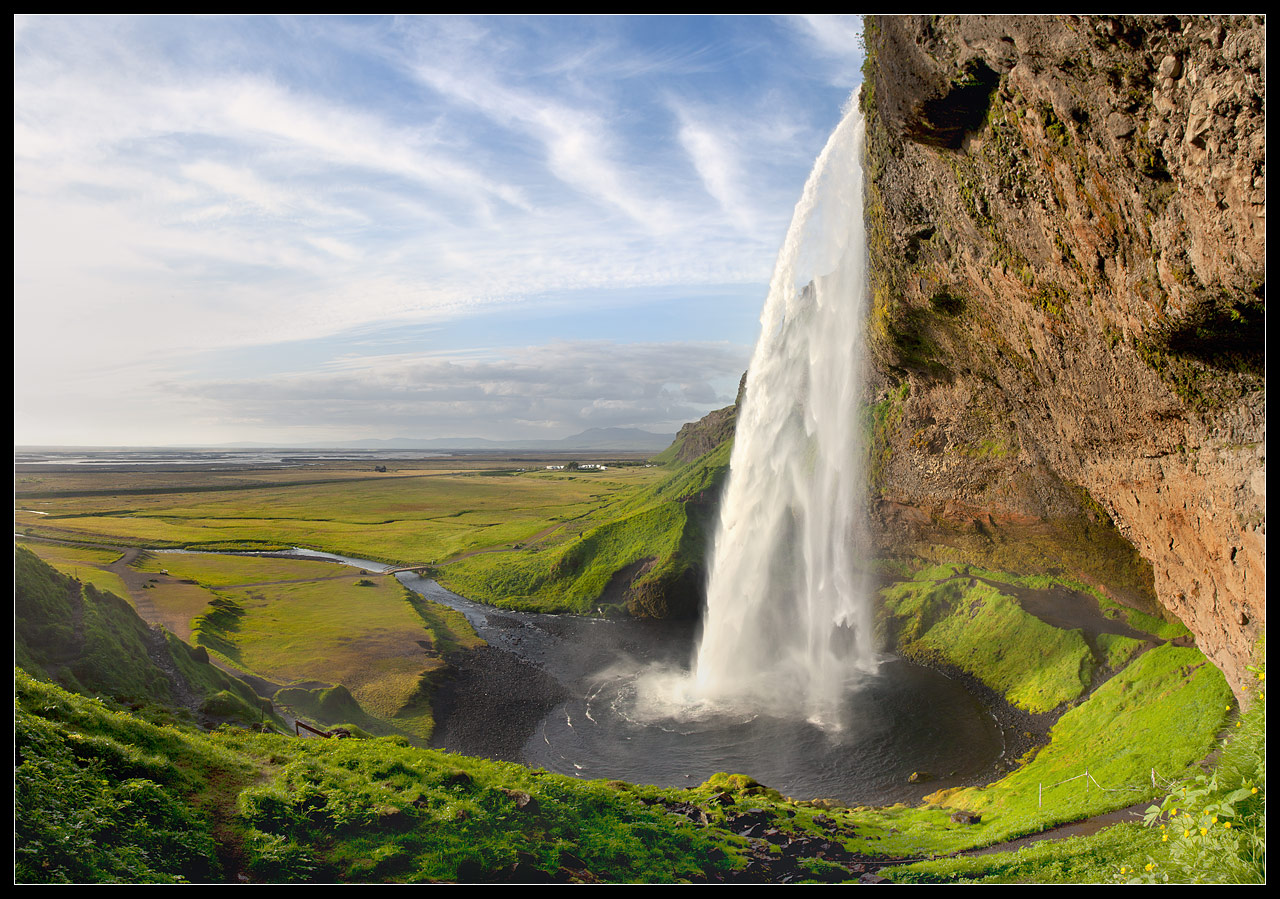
(305, 229)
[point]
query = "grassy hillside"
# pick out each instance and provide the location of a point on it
(104, 794)
(644, 554)
(94, 643)
(306, 631)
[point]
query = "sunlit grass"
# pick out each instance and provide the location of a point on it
(406, 518)
(83, 562)
(225, 570)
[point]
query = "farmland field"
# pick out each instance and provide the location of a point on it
(305, 628)
(408, 516)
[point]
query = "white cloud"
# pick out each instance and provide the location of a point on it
(194, 187)
(558, 388)
(839, 39)
(718, 165)
(576, 141)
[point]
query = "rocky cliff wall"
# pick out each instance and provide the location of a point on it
(1068, 231)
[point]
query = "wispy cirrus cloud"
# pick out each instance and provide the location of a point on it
(193, 187)
(838, 38)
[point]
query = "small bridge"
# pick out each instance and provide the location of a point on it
(416, 569)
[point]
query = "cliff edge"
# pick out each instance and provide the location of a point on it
(1067, 220)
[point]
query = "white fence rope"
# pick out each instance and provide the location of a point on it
(1088, 778)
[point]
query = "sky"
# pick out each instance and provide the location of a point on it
(299, 230)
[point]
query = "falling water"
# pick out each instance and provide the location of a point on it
(788, 619)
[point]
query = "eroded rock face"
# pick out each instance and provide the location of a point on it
(701, 436)
(1068, 228)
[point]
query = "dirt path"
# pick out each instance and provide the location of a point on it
(1132, 813)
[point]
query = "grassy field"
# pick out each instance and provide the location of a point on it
(83, 562)
(366, 635)
(409, 516)
(309, 625)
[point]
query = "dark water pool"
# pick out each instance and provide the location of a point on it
(902, 720)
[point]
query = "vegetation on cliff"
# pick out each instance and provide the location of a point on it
(645, 556)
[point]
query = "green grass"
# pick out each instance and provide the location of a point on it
(378, 642)
(83, 562)
(415, 518)
(664, 525)
(536, 539)
(987, 634)
(102, 796)
(288, 621)
(214, 571)
(1213, 825)
(1089, 859)
(286, 810)
(94, 642)
(1161, 713)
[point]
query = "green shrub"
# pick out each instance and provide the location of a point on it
(1213, 826)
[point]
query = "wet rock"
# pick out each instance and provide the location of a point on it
(963, 817)
(457, 779)
(523, 801)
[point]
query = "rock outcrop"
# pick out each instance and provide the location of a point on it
(1068, 232)
(697, 438)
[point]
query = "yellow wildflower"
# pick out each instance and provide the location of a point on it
(1255, 789)
(1150, 865)
(1226, 823)
(1164, 839)
(1203, 831)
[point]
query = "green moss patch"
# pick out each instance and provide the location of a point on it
(984, 632)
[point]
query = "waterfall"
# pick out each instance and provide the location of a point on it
(788, 620)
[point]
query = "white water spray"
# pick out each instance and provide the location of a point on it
(788, 619)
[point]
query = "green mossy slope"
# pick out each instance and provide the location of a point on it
(647, 558)
(94, 642)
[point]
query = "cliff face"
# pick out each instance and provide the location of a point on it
(1068, 229)
(697, 438)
